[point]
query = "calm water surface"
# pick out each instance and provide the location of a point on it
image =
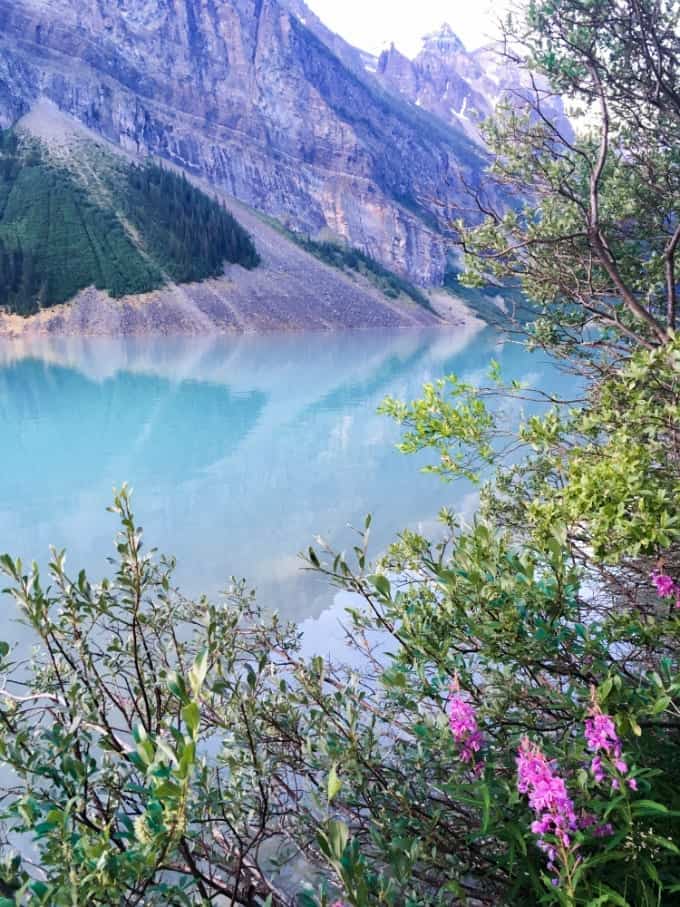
(240, 450)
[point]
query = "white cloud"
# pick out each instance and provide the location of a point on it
(370, 24)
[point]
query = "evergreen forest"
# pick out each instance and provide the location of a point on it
(144, 227)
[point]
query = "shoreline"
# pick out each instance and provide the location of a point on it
(223, 307)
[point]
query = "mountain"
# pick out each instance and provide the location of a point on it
(259, 99)
(77, 223)
(360, 163)
(460, 87)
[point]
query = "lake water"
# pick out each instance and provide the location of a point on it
(240, 450)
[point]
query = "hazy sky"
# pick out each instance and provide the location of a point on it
(370, 24)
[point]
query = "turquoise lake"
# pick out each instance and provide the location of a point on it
(240, 450)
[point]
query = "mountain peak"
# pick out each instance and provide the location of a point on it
(444, 40)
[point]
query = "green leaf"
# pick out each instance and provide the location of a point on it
(651, 870)
(381, 584)
(486, 808)
(608, 897)
(649, 807)
(661, 705)
(634, 726)
(165, 750)
(334, 784)
(338, 836)
(145, 747)
(139, 733)
(177, 686)
(198, 672)
(167, 789)
(605, 689)
(665, 843)
(393, 677)
(191, 717)
(187, 761)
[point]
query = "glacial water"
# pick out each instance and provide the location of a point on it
(240, 450)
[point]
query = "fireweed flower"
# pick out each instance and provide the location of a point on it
(601, 733)
(603, 740)
(665, 586)
(463, 723)
(597, 769)
(550, 801)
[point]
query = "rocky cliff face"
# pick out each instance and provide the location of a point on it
(255, 97)
(460, 87)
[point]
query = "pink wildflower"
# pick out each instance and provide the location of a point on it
(463, 723)
(664, 584)
(597, 769)
(603, 740)
(601, 734)
(548, 798)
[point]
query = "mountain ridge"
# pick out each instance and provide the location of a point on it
(248, 96)
(461, 88)
(290, 290)
(361, 159)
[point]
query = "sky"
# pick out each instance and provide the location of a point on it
(370, 24)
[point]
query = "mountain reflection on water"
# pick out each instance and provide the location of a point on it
(241, 450)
